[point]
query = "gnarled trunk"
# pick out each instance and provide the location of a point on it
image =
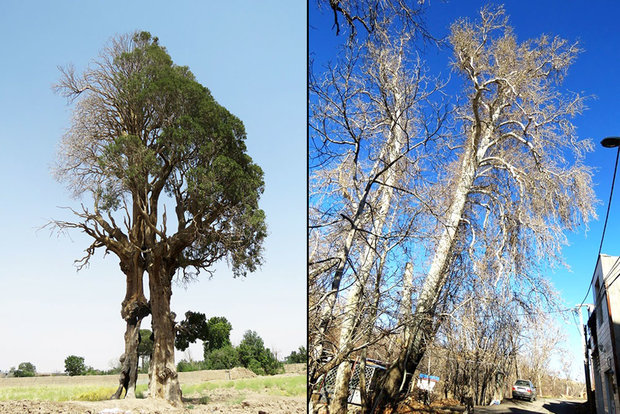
(133, 309)
(129, 361)
(163, 377)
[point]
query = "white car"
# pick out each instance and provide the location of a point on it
(524, 389)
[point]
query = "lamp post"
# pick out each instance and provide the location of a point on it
(611, 142)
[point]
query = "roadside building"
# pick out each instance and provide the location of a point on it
(604, 334)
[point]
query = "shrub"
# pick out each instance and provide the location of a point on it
(187, 366)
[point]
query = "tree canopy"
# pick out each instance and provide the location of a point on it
(74, 365)
(254, 356)
(297, 357)
(24, 369)
(215, 332)
(143, 126)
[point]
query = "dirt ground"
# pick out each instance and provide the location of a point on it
(253, 403)
(221, 400)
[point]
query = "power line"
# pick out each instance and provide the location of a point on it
(611, 192)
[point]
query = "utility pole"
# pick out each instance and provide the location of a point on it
(586, 357)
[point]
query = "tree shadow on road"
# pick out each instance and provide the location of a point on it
(566, 407)
(522, 407)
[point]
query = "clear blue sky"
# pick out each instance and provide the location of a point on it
(252, 56)
(596, 72)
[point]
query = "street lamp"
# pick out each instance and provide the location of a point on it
(611, 142)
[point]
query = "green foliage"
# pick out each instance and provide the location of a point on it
(254, 356)
(215, 332)
(145, 348)
(187, 366)
(146, 127)
(297, 357)
(25, 369)
(74, 365)
(256, 367)
(218, 334)
(93, 371)
(225, 357)
(190, 329)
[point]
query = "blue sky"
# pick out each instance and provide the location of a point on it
(596, 72)
(252, 56)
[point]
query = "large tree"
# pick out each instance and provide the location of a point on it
(147, 135)
(372, 114)
(517, 182)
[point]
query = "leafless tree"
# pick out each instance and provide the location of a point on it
(368, 130)
(518, 182)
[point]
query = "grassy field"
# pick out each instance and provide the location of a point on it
(290, 385)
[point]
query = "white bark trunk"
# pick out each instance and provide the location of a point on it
(420, 330)
(393, 150)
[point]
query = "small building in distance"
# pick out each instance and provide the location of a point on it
(604, 334)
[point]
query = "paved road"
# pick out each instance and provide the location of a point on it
(541, 405)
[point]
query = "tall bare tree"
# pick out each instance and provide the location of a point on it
(145, 133)
(368, 129)
(518, 182)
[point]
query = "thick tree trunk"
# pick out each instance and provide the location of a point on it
(163, 378)
(129, 361)
(422, 323)
(133, 309)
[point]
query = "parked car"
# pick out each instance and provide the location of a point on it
(524, 389)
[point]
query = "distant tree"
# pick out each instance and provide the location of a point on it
(190, 329)
(218, 334)
(25, 369)
(74, 365)
(254, 356)
(270, 364)
(226, 357)
(251, 347)
(145, 346)
(215, 333)
(297, 357)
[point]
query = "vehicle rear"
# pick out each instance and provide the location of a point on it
(524, 389)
